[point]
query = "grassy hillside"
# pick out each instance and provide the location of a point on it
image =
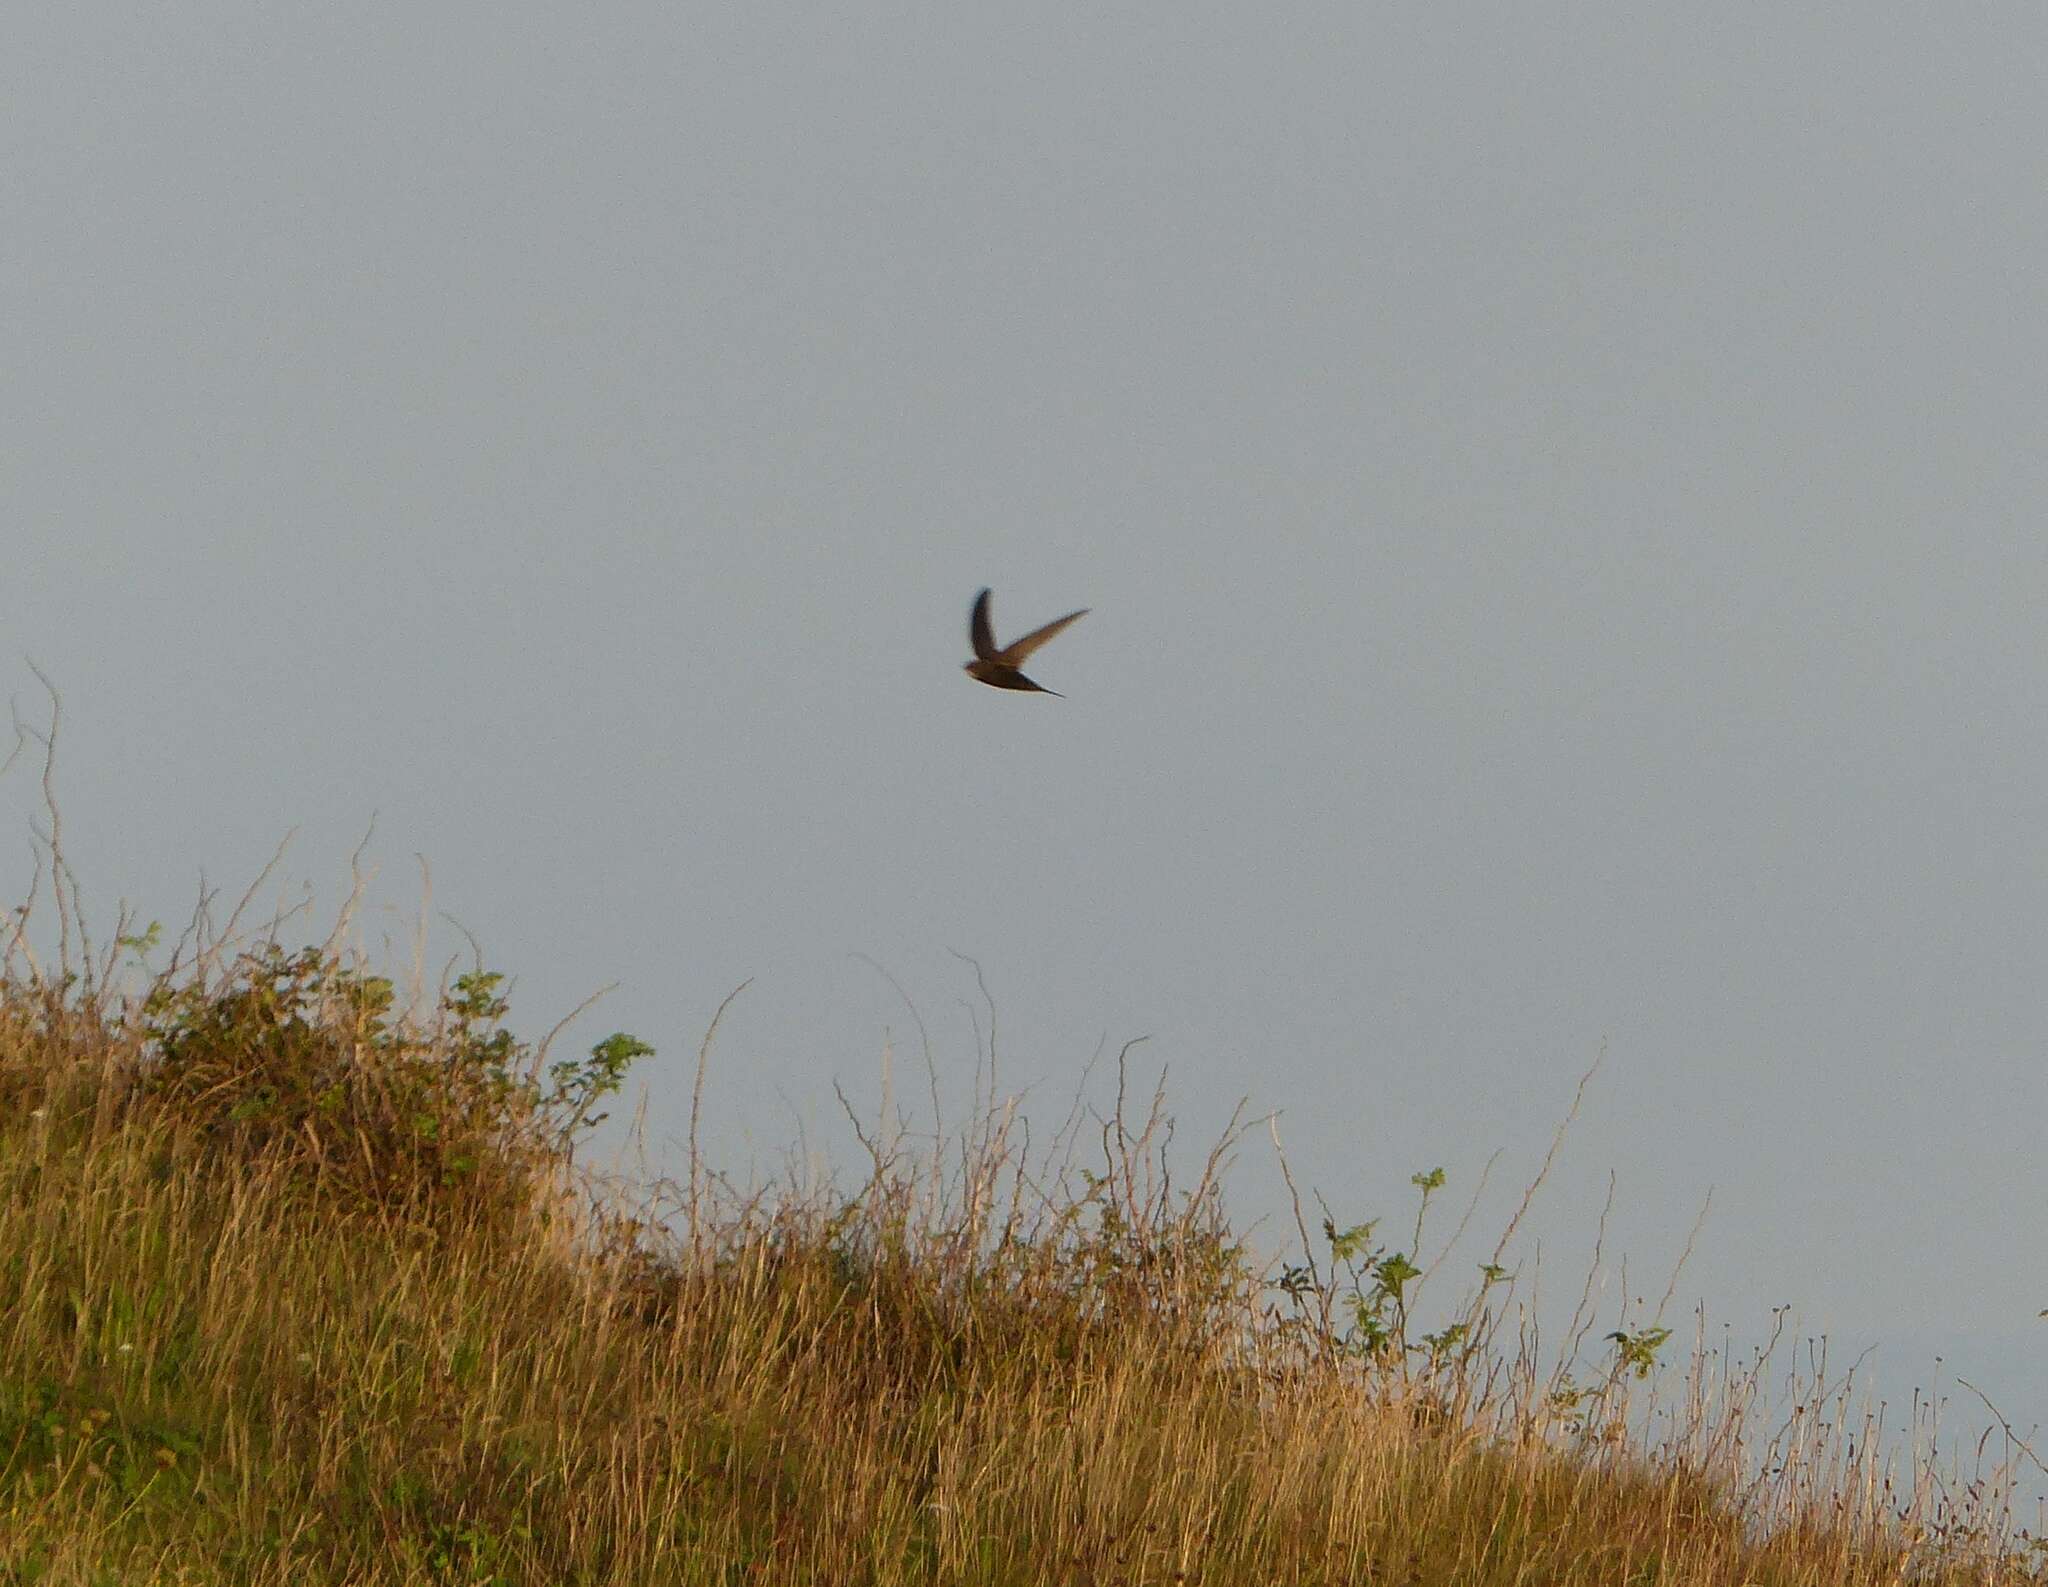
(298, 1288)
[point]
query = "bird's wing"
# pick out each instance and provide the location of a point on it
(1018, 651)
(978, 631)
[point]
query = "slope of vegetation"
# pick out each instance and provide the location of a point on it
(299, 1283)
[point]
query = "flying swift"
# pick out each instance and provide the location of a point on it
(1000, 668)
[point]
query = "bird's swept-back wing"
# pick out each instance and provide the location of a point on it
(978, 631)
(1018, 651)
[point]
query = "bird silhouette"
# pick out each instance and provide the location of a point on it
(999, 668)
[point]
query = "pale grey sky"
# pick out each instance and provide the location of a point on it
(1560, 491)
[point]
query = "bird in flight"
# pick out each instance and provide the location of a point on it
(998, 668)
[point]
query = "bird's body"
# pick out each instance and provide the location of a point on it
(1001, 669)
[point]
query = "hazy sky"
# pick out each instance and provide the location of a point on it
(1560, 491)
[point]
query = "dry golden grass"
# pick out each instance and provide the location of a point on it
(266, 1335)
(298, 1287)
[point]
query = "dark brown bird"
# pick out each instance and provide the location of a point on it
(998, 668)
